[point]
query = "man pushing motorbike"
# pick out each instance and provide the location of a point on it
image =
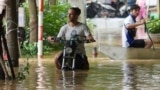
(66, 32)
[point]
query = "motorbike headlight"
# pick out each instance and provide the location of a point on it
(68, 50)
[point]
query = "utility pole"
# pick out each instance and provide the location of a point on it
(11, 33)
(40, 28)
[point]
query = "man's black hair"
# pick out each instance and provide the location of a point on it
(135, 7)
(77, 10)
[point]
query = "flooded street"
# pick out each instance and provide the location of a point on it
(104, 74)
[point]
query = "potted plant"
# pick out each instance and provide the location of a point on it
(153, 27)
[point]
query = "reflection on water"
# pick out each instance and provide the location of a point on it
(142, 75)
(8, 85)
(40, 70)
(129, 76)
(71, 80)
(104, 74)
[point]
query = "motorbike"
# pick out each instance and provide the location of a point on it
(71, 58)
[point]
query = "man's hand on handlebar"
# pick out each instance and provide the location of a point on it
(91, 39)
(51, 39)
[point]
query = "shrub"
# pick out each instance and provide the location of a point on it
(153, 26)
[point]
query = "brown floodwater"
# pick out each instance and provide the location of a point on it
(104, 74)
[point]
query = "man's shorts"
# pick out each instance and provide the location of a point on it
(139, 43)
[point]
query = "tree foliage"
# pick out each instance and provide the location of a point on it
(54, 18)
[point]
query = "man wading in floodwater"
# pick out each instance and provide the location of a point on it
(66, 32)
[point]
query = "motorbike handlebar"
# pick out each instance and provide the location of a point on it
(82, 40)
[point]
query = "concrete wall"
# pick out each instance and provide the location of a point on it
(108, 25)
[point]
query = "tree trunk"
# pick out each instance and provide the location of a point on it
(33, 21)
(12, 21)
(2, 75)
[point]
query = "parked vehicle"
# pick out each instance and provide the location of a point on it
(98, 10)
